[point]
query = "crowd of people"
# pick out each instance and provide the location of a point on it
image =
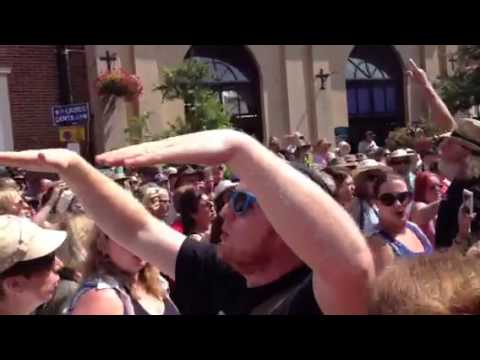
(216, 223)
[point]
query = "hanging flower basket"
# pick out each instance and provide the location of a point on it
(119, 83)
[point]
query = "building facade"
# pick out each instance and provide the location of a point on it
(32, 80)
(271, 90)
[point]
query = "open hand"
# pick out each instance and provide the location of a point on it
(48, 160)
(207, 147)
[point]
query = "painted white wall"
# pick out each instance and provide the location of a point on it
(6, 135)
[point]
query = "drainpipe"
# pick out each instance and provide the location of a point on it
(64, 78)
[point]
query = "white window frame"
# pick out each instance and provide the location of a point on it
(6, 133)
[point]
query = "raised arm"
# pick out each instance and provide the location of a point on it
(114, 210)
(441, 116)
(321, 233)
(422, 213)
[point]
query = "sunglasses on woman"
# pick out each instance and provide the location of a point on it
(388, 199)
(241, 202)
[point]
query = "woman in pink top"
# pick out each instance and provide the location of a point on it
(427, 198)
(321, 153)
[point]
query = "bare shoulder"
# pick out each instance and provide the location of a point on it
(99, 302)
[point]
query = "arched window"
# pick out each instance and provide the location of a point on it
(371, 90)
(234, 77)
(375, 98)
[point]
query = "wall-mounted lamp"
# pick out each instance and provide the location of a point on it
(323, 76)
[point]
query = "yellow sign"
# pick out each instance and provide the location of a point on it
(72, 134)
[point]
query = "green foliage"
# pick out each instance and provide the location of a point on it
(412, 136)
(462, 90)
(469, 52)
(203, 110)
(138, 131)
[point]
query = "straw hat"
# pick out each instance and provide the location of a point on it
(343, 163)
(370, 164)
(402, 153)
(467, 133)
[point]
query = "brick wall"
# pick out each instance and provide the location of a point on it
(34, 88)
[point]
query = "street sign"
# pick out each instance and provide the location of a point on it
(69, 115)
(72, 134)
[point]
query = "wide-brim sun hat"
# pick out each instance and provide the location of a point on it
(402, 153)
(343, 164)
(369, 165)
(467, 133)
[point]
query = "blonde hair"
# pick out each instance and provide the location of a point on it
(8, 183)
(439, 284)
(8, 198)
(149, 190)
(98, 262)
(81, 232)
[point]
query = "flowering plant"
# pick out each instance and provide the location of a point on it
(119, 83)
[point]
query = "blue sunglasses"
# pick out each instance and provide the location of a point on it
(242, 201)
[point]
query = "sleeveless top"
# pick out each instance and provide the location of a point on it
(401, 250)
(366, 216)
(130, 305)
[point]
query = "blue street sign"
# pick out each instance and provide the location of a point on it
(70, 115)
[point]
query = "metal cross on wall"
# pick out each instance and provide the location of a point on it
(452, 60)
(109, 59)
(323, 77)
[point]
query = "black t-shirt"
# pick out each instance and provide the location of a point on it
(205, 285)
(447, 222)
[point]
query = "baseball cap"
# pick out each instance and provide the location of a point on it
(109, 172)
(119, 173)
(22, 240)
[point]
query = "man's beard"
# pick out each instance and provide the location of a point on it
(448, 169)
(473, 167)
(470, 170)
(245, 261)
